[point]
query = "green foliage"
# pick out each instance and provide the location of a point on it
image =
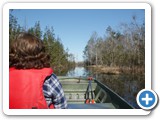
(61, 60)
(36, 30)
(14, 27)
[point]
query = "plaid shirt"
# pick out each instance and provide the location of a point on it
(54, 93)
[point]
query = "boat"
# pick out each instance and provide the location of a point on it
(76, 89)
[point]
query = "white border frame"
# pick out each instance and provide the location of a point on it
(8, 6)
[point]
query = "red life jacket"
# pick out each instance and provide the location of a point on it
(26, 88)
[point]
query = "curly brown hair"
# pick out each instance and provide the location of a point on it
(27, 52)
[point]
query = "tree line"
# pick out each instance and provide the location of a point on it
(124, 48)
(61, 59)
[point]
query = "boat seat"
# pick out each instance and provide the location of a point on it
(74, 95)
(77, 87)
(92, 106)
(74, 101)
(71, 81)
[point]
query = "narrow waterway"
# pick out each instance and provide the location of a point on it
(127, 86)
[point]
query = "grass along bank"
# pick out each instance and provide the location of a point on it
(117, 70)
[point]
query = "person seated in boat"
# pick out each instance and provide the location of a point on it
(32, 84)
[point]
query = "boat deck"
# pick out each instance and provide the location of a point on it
(105, 98)
(75, 90)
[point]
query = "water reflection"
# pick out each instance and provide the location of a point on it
(127, 86)
(78, 71)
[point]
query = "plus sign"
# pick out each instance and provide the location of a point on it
(147, 99)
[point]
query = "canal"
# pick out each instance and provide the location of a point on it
(127, 86)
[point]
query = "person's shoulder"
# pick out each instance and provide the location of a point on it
(53, 81)
(52, 77)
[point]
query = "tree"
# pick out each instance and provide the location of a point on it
(118, 48)
(14, 27)
(61, 60)
(36, 30)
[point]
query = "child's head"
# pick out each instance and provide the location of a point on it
(27, 51)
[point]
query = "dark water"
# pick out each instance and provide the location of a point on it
(127, 86)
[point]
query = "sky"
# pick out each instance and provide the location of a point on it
(75, 26)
